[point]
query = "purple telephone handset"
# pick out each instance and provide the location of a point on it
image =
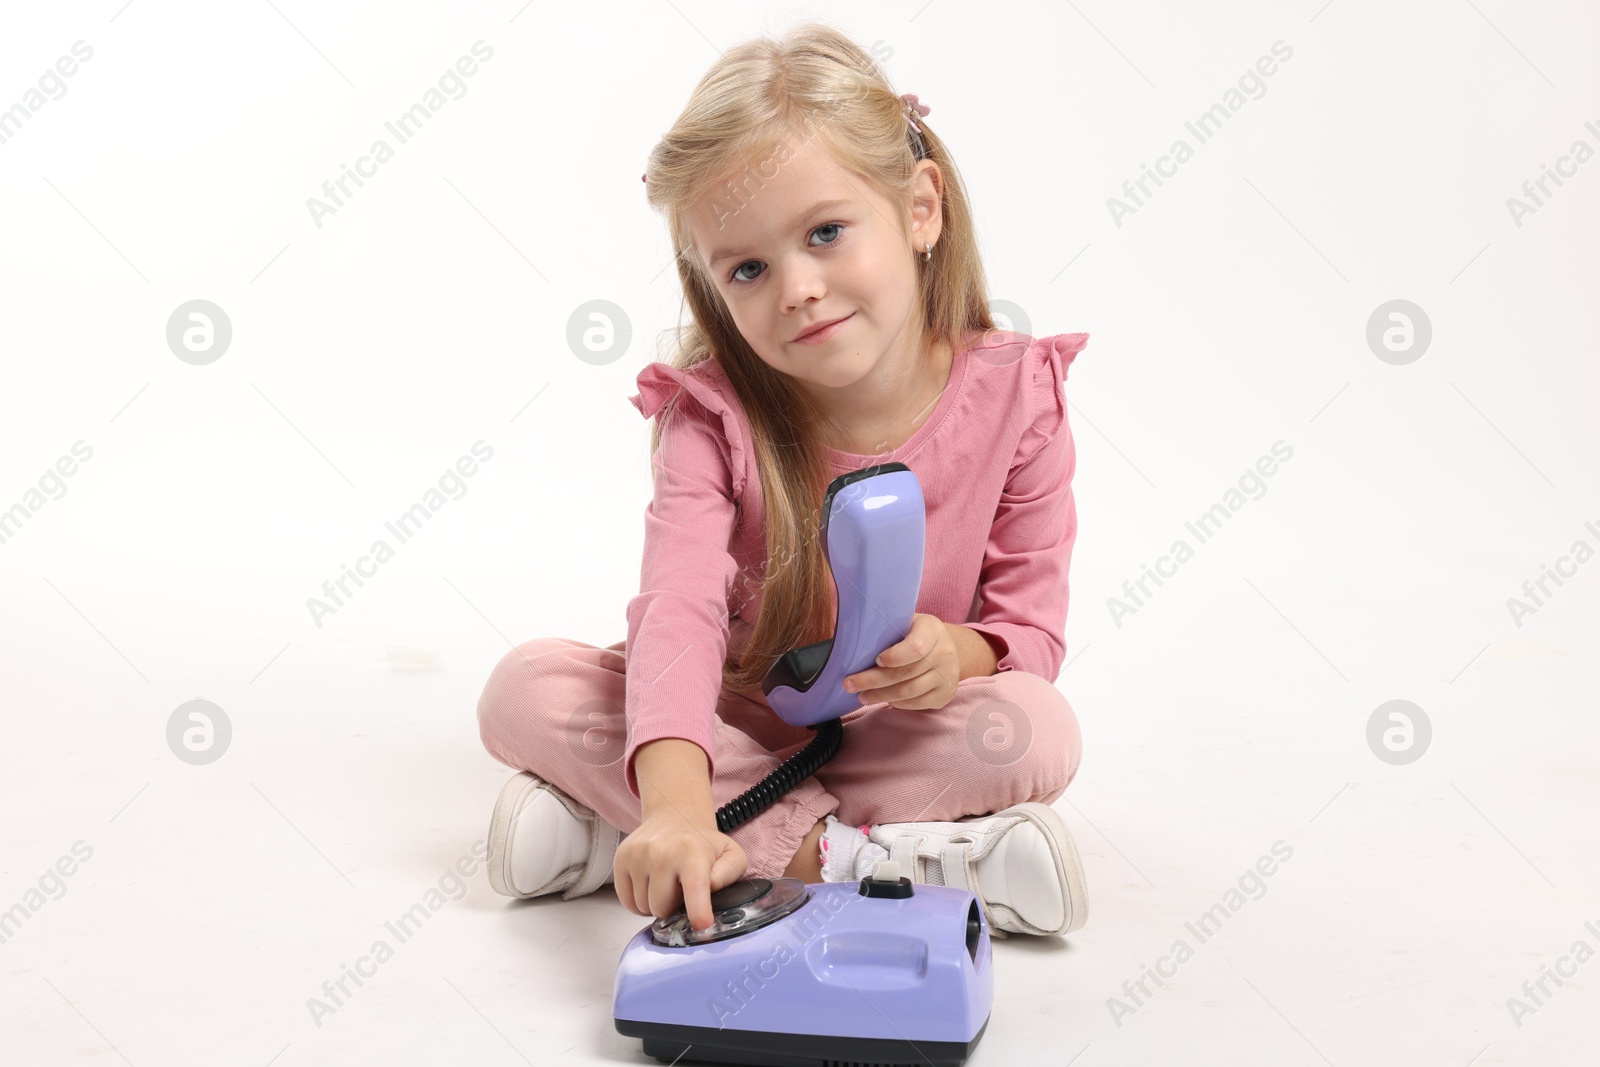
(873, 534)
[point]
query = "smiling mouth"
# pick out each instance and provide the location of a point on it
(822, 326)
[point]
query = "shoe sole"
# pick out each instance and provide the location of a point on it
(1064, 854)
(510, 801)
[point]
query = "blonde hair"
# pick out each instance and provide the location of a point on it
(812, 82)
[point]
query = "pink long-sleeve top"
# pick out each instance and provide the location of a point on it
(995, 462)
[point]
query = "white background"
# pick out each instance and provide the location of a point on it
(431, 311)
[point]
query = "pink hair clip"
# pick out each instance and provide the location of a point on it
(912, 104)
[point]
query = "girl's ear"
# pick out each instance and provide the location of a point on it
(927, 196)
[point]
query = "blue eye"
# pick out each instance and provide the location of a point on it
(736, 280)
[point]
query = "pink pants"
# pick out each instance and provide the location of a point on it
(554, 707)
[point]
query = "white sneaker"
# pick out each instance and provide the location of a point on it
(1021, 863)
(542, 841)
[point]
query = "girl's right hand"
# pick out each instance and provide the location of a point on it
(671, 861)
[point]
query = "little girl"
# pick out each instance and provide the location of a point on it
(829, 259)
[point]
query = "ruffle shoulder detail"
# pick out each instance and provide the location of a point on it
(660, 383)
(1054, 355)
(1050, 356)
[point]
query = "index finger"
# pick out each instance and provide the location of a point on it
(896, 655)
(902, 653)
(697, 899)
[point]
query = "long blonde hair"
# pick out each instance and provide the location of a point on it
(813, 81)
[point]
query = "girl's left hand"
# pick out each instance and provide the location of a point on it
(920, 672)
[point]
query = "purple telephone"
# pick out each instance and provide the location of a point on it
(797, 975)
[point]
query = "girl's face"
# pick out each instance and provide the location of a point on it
(798, 241)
